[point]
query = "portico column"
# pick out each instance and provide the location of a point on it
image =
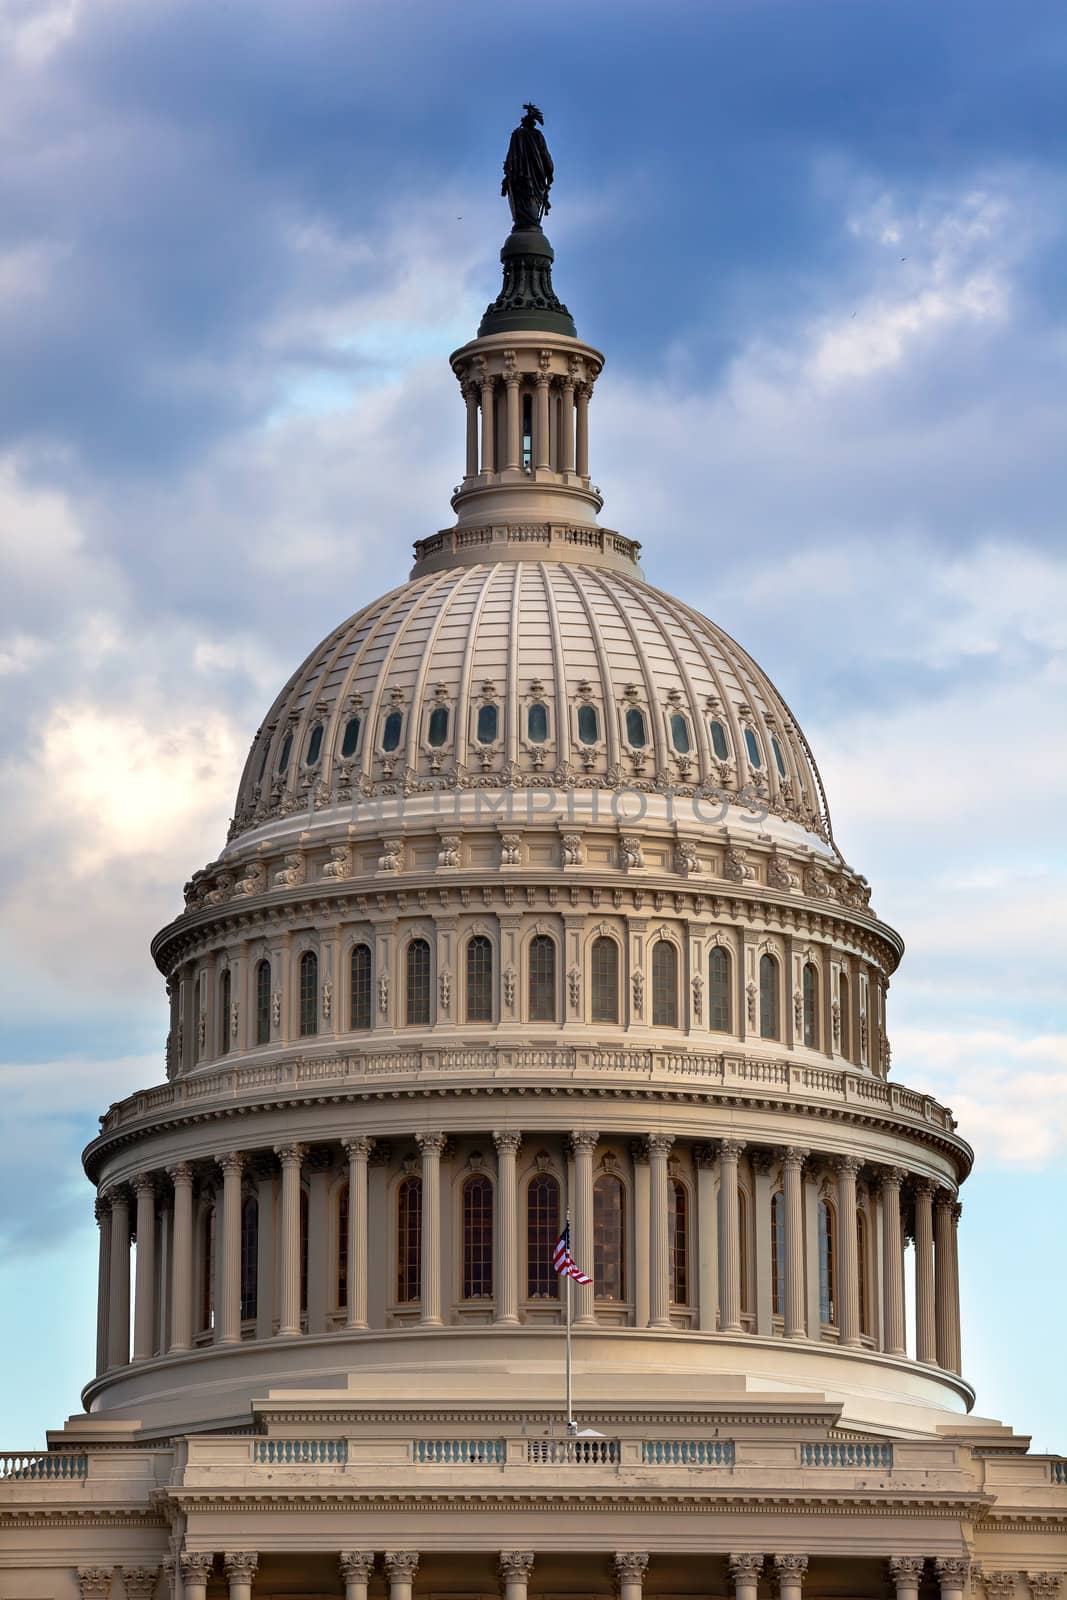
(470, 395)
(892, 1262)
(431, 1145)
(488, 431)
(944, 1287)
(793, 1201)
(514, 1568)
(513, 443)
(730, 1238)
(144, 1305)
(583, 394)
(103, 1282)
(925, 1327)
(356, 1565)
(659, 1148)
(848, 1248)
(400, 1568)
(195, 1569)
(118, 1341)
(745, 1571)
(906, 1573)
(542, 451)
(229, 1330)
(583, 1143)
(629, 1572)
(358, 1150)
(181, 1297)
(291, 1157)
(789, 1576)
(240, 1568)
(952, 1574)
(507, 1286)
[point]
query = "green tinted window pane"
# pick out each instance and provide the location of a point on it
(351, 738)
(718, 741)
(437, 729)
(779, 763)
(587, 724)
(635, 728)
(488, 720)
(537, 724)
(680, 734)
(286, 752)
(314, 749)
(394, 723)
(753, 748)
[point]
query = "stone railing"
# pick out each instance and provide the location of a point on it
(849, 1454)
(300, 1452)
(688, 1453)
(573, 1452)
(23, 1466)
(731, 1073)
(548, 534)
(457, 1452)
(1057, 1471)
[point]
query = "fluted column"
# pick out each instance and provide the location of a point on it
(488, 428)
(567, 419)
(583, 1143)
(796, 1326)
(240, 1569)
(103, 1282)
(507, 1284)
(925, 1325)
(400, 1568)
(707, 1239)
(659, 1148)
(952, 1575)
(514, 1567)
(944, 1281)
(789, 1576)
(542, 450)
(229, 1329)
(144, 1304)
(745, 1571)
(195, 1569)
(118, 1337)
(358, 1151)
(957, 1212)
(630, 1567)
(513, 442)
(181, 1294)
(892, 1262)
(729, 1238)
(906, 1573)
(583, 394)
(848, 1249)
(470, 395)
(356, 1566)
(431, 1145)
(291, 1157)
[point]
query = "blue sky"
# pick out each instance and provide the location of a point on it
(822, 245)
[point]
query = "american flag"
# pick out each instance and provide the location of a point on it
(564, 1262)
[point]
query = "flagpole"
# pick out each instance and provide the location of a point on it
(570, 1406)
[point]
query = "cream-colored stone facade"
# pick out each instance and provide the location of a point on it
(531, 907)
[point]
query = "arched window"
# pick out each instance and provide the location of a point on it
(537, 723)
(778, 1254)
(827, 1264)
(391, 731)
(810, 989)
(542, 962)
(359, 996)
(437, 727)
(284, 754)
(679, 1243)
(314, 749)
(588, 728)
(309, 993)
(479, 979)
(778, 761)
(753, 748)
(742, 1251)
(862, 1258)
(844, 1001)
(350, 738)
(207, 1269)
(303, 1250)
(488, 724)
(719, 990)
(604, 980)
(263, 1002)
(417, 985)
(342, 1246)
(478, 1238)
(409, 1240)
(635, 728)
(664, 984)
(718, 741)
(542, 1231)
(249, 1257)
(225, 990)
(680, 733)
(609, 1238)
(768, 997)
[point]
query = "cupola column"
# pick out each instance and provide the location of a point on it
(848, 1249)
(181, 1296)
(144, 1305)
(567, 421)
(229, 1329)
(944, 1281)
(432, 1146)
(507, 1286)
(470, 396)
(583, 394)
(793, 1201)
(103, 1283)
(892, 1263)
(513, 443)
(583, 1143)
(118, 1351)
(488, 428)
(630, 1567)
(542, 453)
(659, 1148)
(957, 1212)
(291, 1157)
(729, 1238)
(358, 1151)
(925, 1326)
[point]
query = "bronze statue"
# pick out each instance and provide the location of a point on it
(528, 171)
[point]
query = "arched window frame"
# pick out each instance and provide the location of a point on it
(769, 996)
(809, 1004)
(307, 969)
(627, 710)
(543, 1225)
(539, 940)
(539, 704)
(263, 1001)
(593, 706)
(680, 1241)
(720, 989)
(665, 1006)
(393, 720)
(604, 938)
(360, 985)
(827, 1244)
(477, 1228)
(406, 998)
(477, 947)
(601, 1276)
(407, 1240)
(349, 738)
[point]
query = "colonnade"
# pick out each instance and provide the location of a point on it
(567, 454)
(755, 1260)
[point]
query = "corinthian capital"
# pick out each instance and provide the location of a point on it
(356, 1565)
(140, 1582)
(94, 1582)
(515, 1564)
(906, 1571)
(402, 1563)
(196, 1566)
(584, 1139)
(507, 1140)
(630, 1566)
(240, 1564)
(431, 1144)
(745, 1566)
(790, 1569)
(952, 1571)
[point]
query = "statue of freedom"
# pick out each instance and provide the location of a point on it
(528, 172)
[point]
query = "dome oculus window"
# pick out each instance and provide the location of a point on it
(286, 752)
(314, 749)
(588, 731)
(778, 759)
(487, 725)
(635, 728)
(680, 733)
(350, 738)
(394, 726)
(537, 723)
(437, 727)
(718, 741)
(753, 748)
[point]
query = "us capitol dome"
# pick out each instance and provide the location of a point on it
(531, 909)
